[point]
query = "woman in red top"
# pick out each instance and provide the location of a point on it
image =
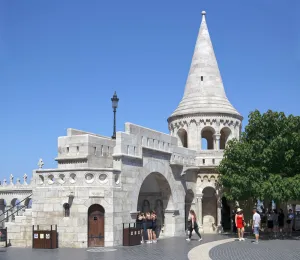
(239, 222)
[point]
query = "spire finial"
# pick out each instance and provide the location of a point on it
(203, 15)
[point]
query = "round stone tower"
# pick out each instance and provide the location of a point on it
(205, 111)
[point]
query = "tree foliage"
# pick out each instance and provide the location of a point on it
(265, 162)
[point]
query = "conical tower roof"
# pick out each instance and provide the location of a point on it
(204, 90)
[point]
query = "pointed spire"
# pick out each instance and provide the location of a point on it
(204, 90)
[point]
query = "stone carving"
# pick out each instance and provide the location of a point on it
(61, 178)
(103, 178)
(11, 179)
(50, 179)
(40, 163)
(72, 177)
(25, 179)
(89, 177)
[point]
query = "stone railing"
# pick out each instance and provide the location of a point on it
(209, 157)
(10, 185)
(183, 156)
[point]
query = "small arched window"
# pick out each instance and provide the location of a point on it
(66, 210)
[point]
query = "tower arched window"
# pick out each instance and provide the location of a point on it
(183, 138)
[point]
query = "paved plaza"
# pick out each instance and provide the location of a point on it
(266, 249)
(213, 247)
(175, 248)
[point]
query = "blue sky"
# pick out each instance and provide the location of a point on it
(61, 61)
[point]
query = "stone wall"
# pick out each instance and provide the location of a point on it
(88, 187)
(19, 233)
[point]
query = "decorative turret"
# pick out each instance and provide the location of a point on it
(204, 90)
(204, 107)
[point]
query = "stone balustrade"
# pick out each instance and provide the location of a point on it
(209, 157)
(183, 156)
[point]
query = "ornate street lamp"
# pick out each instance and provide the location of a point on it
(114, 101)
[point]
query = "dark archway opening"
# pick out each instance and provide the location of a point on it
(155, 195)
(226, 215)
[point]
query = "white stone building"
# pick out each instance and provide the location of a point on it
(101, 183)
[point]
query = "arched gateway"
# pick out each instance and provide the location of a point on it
(157, 189)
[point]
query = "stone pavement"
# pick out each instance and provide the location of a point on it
(287, 249)
(175, 248)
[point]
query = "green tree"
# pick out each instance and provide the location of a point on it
(265, 163)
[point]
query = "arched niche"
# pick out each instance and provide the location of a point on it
(209, 209)
(225, 135)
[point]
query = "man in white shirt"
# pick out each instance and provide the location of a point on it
(256, 225)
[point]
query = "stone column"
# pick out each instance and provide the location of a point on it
(216, 141)
(199, 139)
(169, 225)
(199, 209)
(219, 214)
(192, 136)
(2, 210)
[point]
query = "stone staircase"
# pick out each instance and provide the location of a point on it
(19, 232)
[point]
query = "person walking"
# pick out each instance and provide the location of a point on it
(239, 222)
(276, 223)
(139, 225)
(281, 222)
(192, 225)
(289, 221)
(234, 229)
(256, 225)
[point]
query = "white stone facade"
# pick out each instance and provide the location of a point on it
(140, 170)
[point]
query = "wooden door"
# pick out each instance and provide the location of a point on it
(96, 226)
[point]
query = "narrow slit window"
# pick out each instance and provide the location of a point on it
(203, 161)
(66, 207)
(201, 78)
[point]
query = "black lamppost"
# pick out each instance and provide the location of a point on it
(114, 101)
